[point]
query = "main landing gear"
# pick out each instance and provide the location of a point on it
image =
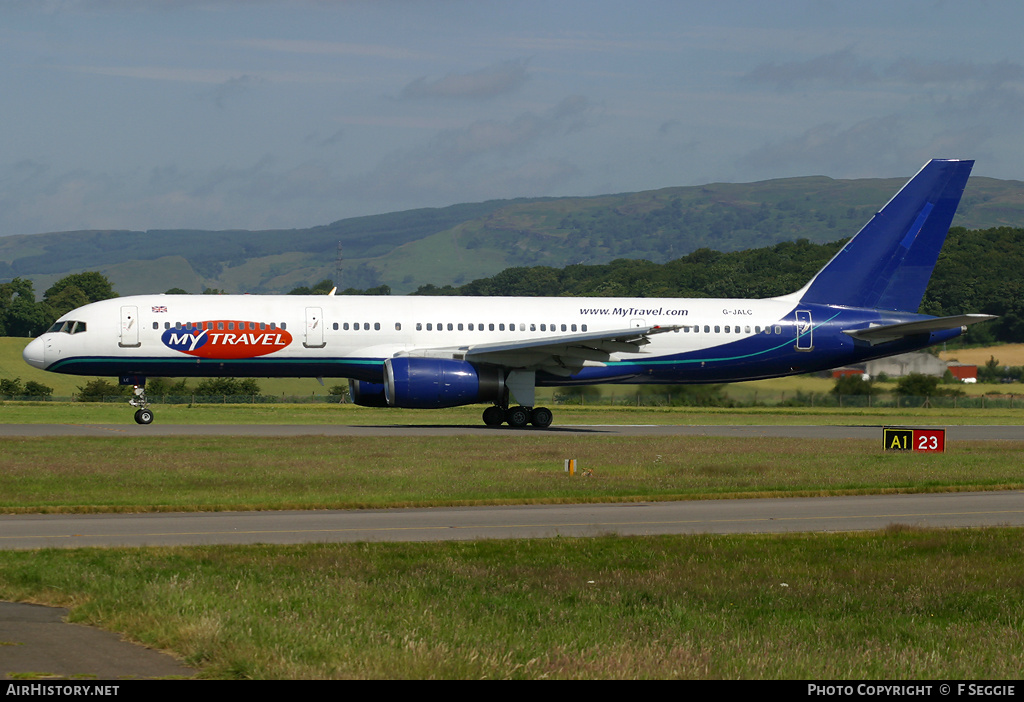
(143, 415)
(518, 417)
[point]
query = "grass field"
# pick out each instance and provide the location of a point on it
(896, 604)
(311, 472)
(1006, 355)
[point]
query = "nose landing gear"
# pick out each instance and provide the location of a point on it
(143, 415)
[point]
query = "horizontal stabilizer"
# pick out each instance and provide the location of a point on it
(891, 332)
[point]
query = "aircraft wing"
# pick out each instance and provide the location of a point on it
(883, 333)
(561, 355)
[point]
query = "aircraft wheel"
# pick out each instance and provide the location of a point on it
(494, 416)
(143, 416)
(517, 417)
(541, 417)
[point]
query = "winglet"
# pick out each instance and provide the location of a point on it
(888, 263)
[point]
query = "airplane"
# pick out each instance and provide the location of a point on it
(434, 352)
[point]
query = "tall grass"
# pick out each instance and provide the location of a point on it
(901, 604)
(312, 472)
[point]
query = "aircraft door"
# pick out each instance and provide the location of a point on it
(314, 328)
(804, 331)
(129, 327)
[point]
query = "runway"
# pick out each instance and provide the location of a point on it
(746, 516)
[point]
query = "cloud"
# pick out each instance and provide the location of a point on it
(333, 48)
(845, 67)
(914, 71)
(841, 66)
(35, 198)
(867, 148)
(235, 86)
(487, 158)
(319, 141)
(498, 79)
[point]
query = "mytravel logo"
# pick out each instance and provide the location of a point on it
(226, 339)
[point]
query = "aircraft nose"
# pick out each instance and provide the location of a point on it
(34, 353)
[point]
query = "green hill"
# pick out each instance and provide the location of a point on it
(461, 243)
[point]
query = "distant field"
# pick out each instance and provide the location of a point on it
(1007, 355)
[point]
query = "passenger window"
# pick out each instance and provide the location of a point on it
(726, 329)
(583, 328)
(376, 326)
(398, 326)
(778, 330)
(430, 327)
(460, 326)
(490, 327)
(533, 327)
(156, 325)
(501, 327)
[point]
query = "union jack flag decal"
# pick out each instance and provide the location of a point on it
(160, 308)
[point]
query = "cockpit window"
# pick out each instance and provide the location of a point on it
(68, 326)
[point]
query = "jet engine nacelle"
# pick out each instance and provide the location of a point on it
(432, 383)
(367, 394)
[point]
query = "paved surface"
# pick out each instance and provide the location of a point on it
(36, 640)
(526, 521)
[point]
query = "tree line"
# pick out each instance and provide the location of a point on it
(977, 271)
(22, 315)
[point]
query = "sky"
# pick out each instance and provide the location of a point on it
(170, 114)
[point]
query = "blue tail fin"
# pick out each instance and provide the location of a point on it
(888, 264)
